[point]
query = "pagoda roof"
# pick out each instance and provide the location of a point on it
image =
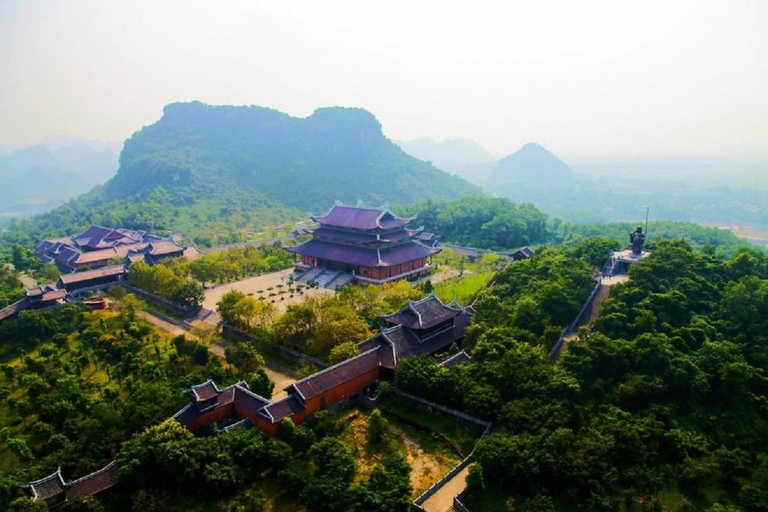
(363, 256)
(350, 217)
(361, 237)
(424, 313)
(407, 344)
(237, 394)
(203, 392)
(163, 247)
(48, 487)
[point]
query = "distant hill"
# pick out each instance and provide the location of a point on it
(42, 177)
(532, 165)
(222, 172)
(198, 151)
(463, 157)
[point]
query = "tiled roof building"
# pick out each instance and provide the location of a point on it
(371, 244)
(97, 246)
(423, 327)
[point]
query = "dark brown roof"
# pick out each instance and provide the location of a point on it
(424, 313)
(279, 410)
(237, 394)
(94, 483)
(458, 358)
(408, 344)
(363, 256)
(48, 487)
(336, 375)
(361, 218)
(164, 247)
(248, 400)
(203, 392)
(78, 277)
(14, 308)
(40, 290)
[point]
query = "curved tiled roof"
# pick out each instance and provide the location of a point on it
(351, 217)
(424, 313)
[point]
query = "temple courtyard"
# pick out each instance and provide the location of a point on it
(258, 286)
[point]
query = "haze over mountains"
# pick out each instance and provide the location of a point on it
(41, 177)
(713, 192)
(210, 171)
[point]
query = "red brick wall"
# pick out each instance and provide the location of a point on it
(213, 416)
(337, 394)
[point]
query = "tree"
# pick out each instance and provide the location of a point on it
(226, 305)
(343, 351)
(189, 295)
(244, 357)
(378, 428)
(388, 487)
(261, 384)
(164, 453)
(27, 505)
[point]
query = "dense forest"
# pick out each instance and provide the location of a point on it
(666, 399)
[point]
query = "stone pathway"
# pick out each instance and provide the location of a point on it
(442, 500)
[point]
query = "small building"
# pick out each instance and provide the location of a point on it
(426, 326)
(44, 296)
(51, 490)
(372, 245)
(55, 492)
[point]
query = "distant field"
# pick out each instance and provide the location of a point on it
(754, 234)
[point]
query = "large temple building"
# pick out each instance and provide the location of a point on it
(365, 245)
(98, 246)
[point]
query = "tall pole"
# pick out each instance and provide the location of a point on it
(647, 210)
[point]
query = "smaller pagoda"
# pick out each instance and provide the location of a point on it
(371, 245)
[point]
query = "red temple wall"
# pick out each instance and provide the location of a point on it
(213, 416)
(260, 423)
(395, 270)
(336, 395)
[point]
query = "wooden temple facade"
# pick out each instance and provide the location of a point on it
(372, 244)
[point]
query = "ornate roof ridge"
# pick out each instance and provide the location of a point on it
(91, 475)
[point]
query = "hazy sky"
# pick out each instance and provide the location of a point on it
(615, 77)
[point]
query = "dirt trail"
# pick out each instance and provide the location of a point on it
(158, 322)
(280, 375)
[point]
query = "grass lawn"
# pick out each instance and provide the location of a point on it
(462, 288)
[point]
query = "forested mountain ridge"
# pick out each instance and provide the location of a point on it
(220, 173)
(196, 150)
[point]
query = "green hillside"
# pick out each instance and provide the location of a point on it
(220, 172)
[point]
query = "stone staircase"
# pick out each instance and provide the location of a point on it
(309, 275)
(326, 277)
(341, 280)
